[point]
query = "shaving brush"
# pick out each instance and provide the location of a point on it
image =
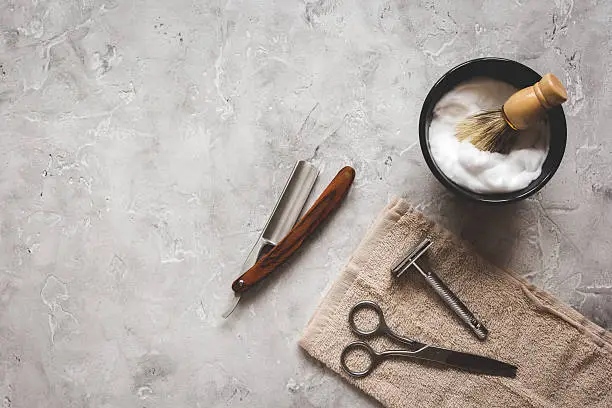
(496, 131)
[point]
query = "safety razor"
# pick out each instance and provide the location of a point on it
(453, 302)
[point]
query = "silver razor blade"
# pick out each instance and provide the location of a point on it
(286, 212)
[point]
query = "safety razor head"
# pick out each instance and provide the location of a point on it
(410, 258)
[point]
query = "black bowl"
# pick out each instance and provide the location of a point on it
(517, 75)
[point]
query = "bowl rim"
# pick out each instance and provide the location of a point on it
(493, 198)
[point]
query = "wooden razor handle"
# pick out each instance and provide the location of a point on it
(526, 105)
(327, 202)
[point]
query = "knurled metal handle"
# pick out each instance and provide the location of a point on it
(454, 303)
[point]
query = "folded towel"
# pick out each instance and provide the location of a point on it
(563, 359)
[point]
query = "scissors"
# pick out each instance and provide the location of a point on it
(414, 349)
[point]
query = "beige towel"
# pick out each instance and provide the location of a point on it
(564, 360)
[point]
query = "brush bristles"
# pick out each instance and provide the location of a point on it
(488, 131)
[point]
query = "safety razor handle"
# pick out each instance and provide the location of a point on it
(453, 302)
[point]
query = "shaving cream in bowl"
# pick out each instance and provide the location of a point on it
(474, 169)
(474, 86)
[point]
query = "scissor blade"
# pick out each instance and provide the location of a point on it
(466, 361)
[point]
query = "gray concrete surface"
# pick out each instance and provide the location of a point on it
(143, 143)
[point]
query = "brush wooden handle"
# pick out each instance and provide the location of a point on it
(327, 202)
(526, 105)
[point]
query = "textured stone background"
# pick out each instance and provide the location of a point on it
(143, 144)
